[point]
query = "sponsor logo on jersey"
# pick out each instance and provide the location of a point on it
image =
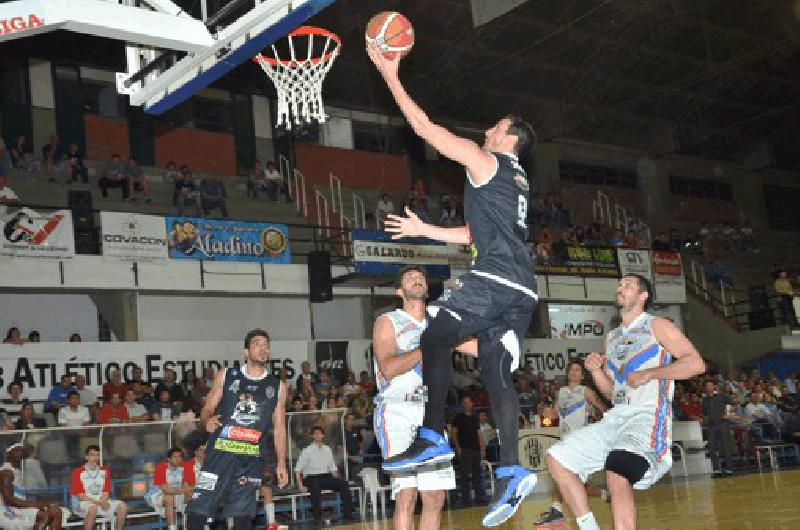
(239, 448)
(244, 480)
(246, 411)
(206, 481)
(270, 392)
(241, 434)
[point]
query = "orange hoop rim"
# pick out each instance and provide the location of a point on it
(303, 31)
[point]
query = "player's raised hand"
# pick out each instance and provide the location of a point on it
(410, 226)
(213, 424)
(387, 67)
(594, 361)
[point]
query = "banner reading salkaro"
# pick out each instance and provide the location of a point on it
(215, 240)
(133, 237)
(377, 254)
(668, 280)
(30, 234)
(595, 262)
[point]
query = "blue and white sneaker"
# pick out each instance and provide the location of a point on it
(428, 447)
(512, 484)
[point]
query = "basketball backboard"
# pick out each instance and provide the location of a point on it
(170, 54)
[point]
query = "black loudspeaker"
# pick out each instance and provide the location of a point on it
(80, 202)
(87, 241)
(320, 286)
(759, 299)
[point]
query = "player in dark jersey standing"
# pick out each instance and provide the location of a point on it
(494, 301)
(244, 403)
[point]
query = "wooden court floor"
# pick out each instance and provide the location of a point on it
(757, 501)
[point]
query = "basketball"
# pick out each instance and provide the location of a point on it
(392, 32)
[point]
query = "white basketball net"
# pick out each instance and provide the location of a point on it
(298, 81)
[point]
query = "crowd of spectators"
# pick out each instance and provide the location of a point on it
(14, 336)
(786, 284)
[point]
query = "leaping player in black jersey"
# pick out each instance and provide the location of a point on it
(494, 301)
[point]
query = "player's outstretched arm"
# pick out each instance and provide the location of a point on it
(384, 347)
(279, 437)
(480, 164)
(688, 362)
(412, 226)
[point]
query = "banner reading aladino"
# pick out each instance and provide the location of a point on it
(133, 237)
(376, 253)
(30, 234)
(214, 240)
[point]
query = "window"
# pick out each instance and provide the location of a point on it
(377, 137)
(701, 188)
(212, 114)
(597, 175)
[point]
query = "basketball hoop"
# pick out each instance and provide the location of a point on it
(298, 80)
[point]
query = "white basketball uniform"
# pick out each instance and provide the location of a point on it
(399, 409)
(640, 420)
(573, 412)
(92, 483)
(155, 496)
(20, 518)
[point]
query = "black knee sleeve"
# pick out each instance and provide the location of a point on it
(627, 464)
(436, 342)
(442, 331)
(242, 522)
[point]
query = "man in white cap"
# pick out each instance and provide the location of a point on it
(18, 513)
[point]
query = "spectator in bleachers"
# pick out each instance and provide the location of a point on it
(136, 411)
(114, 386)
(527, 396)
(14, 402)
(171, 173)
(170, 384)
(324, 384)
(87, 398)
(74, 414)
(365, 382)
(27, 420)
(618, 239)
(361, 405)
(113, 411)
(17, 511)
(468, 444)
(143, 393)
(75, 337)
(350, 387)
(13, 336)
(137, 182)
(257, 180)
(385, 207)
(308, 395)
(661, 242)
(137, 376)
(354, 443)
(461, 378)
(75, 168)
(53, 157)
(316, 471)
(212, 196)
(113, 176)
(7, 197)
(173, 480)
(305, 373)
(186, 193)
(165, 408)
(275, 183)
(21, 156)
(783, 288)
(715, 420)
(90, 484)
(33, 336)
(718, 271)
(488, 435)
(57, 398)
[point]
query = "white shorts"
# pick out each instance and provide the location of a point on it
(585, 451)
(395, 425)
(84, 506)
(157, 504)
(23, 518)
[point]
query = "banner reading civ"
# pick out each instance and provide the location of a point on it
(215, 240)
(30, 234)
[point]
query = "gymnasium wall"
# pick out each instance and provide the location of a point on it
(54, 316)
(357, 169)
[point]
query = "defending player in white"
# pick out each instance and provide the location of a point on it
(400, 406)
(632, 442)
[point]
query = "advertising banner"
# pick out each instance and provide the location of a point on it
(30, 234)
(570, 321)
(635, 261)
(133, 237)
(39, 366)
(595, 262)
(376, 253)
(533, 446)
(668, 279)
(215, 240)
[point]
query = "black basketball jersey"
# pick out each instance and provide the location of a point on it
(497, 216)
(245, 412)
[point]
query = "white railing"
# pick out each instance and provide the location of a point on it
(601, 213)
(699, 279)
(601, 209)
(323, 215)
(337, 206)
(358, 205)
(296, 183)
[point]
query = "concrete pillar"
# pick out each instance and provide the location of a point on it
(43, 103)
(120, 310)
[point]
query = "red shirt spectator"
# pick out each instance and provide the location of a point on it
(91, 482)
(184, 473)
(114, 386)
(113, 411)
